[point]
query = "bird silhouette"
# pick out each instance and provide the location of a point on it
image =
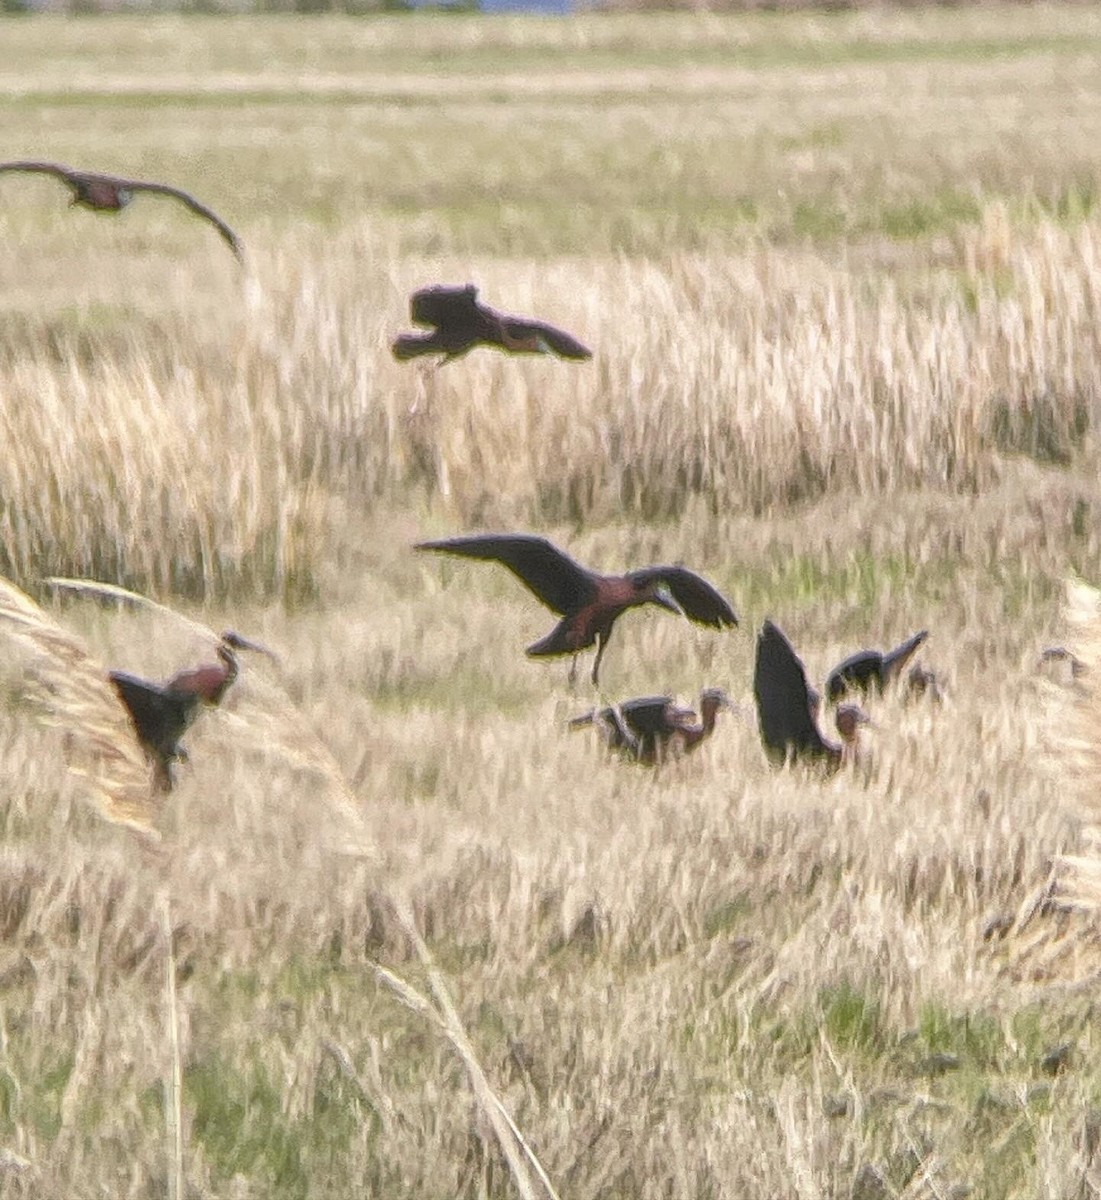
(210, 681)
(1060, 656)
(108, 193)
(163, 713)
(787, 707)
(651, 729)
(160, 717)
(461, 322)
(589, 603)
(869, 671)
(924, 683)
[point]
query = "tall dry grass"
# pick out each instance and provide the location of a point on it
(235, 460)
(396, 912)
(704, 978)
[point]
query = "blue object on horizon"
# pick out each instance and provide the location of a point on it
(534, 6)
(553, 7)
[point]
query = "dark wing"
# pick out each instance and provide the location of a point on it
(699, 600)
(444, 305)
(858, 673)
(637, 726)
(563, 585)
(459, 321)
(894, 662)
(186, 198)
(783, 700)
(867, 669)
(615, 731)
(544, 337)
(42, 168)
(412, 345)
(160, 716)
(648, 715)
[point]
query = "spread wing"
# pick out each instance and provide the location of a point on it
(894, 662)
(872, 669)
(783, 700)
(635, 725)
(412, 345)
(75, 178)
(698, 599)
(160, 716)
(545, 337)
(458, 319)
(857, 673)
(563, 585)
(649, 715)
(196, 206)
(41, 168)
(443, 304)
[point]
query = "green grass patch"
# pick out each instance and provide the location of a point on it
(237, 1119)
(852, 1019)
(922, 216)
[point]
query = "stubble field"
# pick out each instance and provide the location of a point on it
(842, 276)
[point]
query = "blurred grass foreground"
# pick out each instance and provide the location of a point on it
(841, 272)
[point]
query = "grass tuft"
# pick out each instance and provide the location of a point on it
(72, 692)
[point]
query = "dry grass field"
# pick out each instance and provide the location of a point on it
(842, 274)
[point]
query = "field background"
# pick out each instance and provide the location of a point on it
(842, 274)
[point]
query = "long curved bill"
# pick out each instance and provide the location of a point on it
(238, 642)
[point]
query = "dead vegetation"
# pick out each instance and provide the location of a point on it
(395, 913)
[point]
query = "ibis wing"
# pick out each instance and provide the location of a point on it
(458, 319)
(857, 673)
(648, 715)
(563, 344)
(196, 206)
(894, 662)
(41, 168)
(612, 723)
(637, 725)
(868, 669)
(783, 699)
(160, 716)
(412, 345)
(444, 304)
(700, 600)
(563, 585)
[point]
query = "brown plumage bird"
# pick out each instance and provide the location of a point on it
(163, 713)
(1061, 657)
(787, 707)
(108, 193)
(869, 671)
(461, 322)
(652, 729)
(210, 681)
(589, 603)
(924, 683)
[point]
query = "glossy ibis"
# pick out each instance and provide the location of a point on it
(869, 671)
(211, 680)
(787, 707)
(461, 322)
(652, 728)
(162, 713)
(923, 683)
(1060, 656)
(108, 193)
(589, 603)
